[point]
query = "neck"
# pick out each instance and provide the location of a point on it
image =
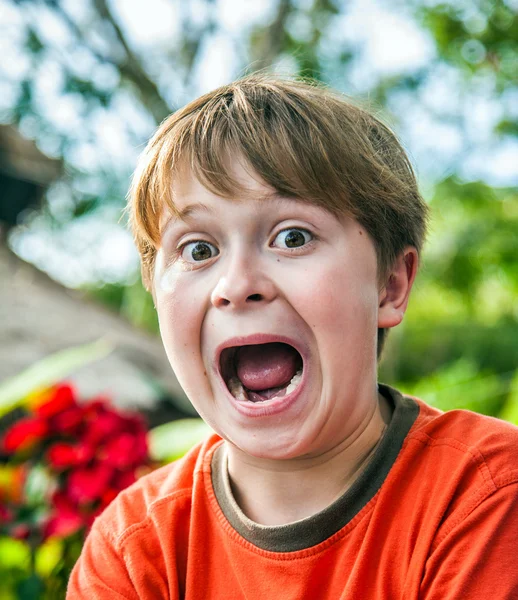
(272, 492)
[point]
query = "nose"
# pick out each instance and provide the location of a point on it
(241, 284)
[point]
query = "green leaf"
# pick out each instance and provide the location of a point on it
(13, 553)
(507, 127)
(31, 588)
(509, 411)
(171, 441)
(33, 42)
(460, 385)
(50, 370)
(48, 556)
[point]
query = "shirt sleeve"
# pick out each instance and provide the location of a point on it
(125, 568)
(477, 559)
(100, 572)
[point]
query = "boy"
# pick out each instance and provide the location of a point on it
(279, 228)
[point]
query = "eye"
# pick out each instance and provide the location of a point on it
(292, 238)
(198, 251)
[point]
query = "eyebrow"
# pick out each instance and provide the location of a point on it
(192, 209)
(185, 213)
(196, 208)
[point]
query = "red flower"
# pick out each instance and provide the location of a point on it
(108, 496)
(88, 484)
(68, 422)
(62, 455)
(61, 399)
(63, 524)
(6, 514)
(65, 520)
(24, 434)
(92, 452)
(123, 479)
(102, 427)
(124, 451)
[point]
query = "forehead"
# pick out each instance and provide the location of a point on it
(246, 183)
(191, 197)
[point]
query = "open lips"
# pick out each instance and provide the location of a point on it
(260, 372)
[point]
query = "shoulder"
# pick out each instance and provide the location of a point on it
(462, 437)
(171, 486)
(137, 547)
(455, 469)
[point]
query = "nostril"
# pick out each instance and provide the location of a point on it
(255, 297)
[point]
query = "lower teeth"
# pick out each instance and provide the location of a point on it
(238, 391)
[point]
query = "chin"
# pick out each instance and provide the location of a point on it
(270, 447)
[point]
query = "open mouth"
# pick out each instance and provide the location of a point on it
(261, 372)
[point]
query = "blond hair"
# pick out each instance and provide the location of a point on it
(304, 140)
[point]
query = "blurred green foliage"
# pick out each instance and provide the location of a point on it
(170, 441)
(132, 301)
(55, 367)
(476, 35)
(458, 345)
(38, 572)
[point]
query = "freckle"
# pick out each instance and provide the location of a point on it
(278, 260)
(205, 373)
(360, 232)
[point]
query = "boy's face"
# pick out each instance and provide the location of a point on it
(274, 271)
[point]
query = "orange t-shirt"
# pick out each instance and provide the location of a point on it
(433, 516)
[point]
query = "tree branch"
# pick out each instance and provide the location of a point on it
(272, 41)
(130, 69)
(133, 70)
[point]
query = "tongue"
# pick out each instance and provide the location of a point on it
(266, 366)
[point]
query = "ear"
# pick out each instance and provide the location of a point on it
(394, 296)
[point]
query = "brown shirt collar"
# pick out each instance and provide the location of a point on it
(317, 528)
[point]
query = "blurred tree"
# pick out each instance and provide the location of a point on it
(110, 89)
(462, 324)
(479, 37)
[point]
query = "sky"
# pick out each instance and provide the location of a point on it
(390, 42)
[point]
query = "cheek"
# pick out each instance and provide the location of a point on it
(179, 320)
(339, 301)
(341, 311)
